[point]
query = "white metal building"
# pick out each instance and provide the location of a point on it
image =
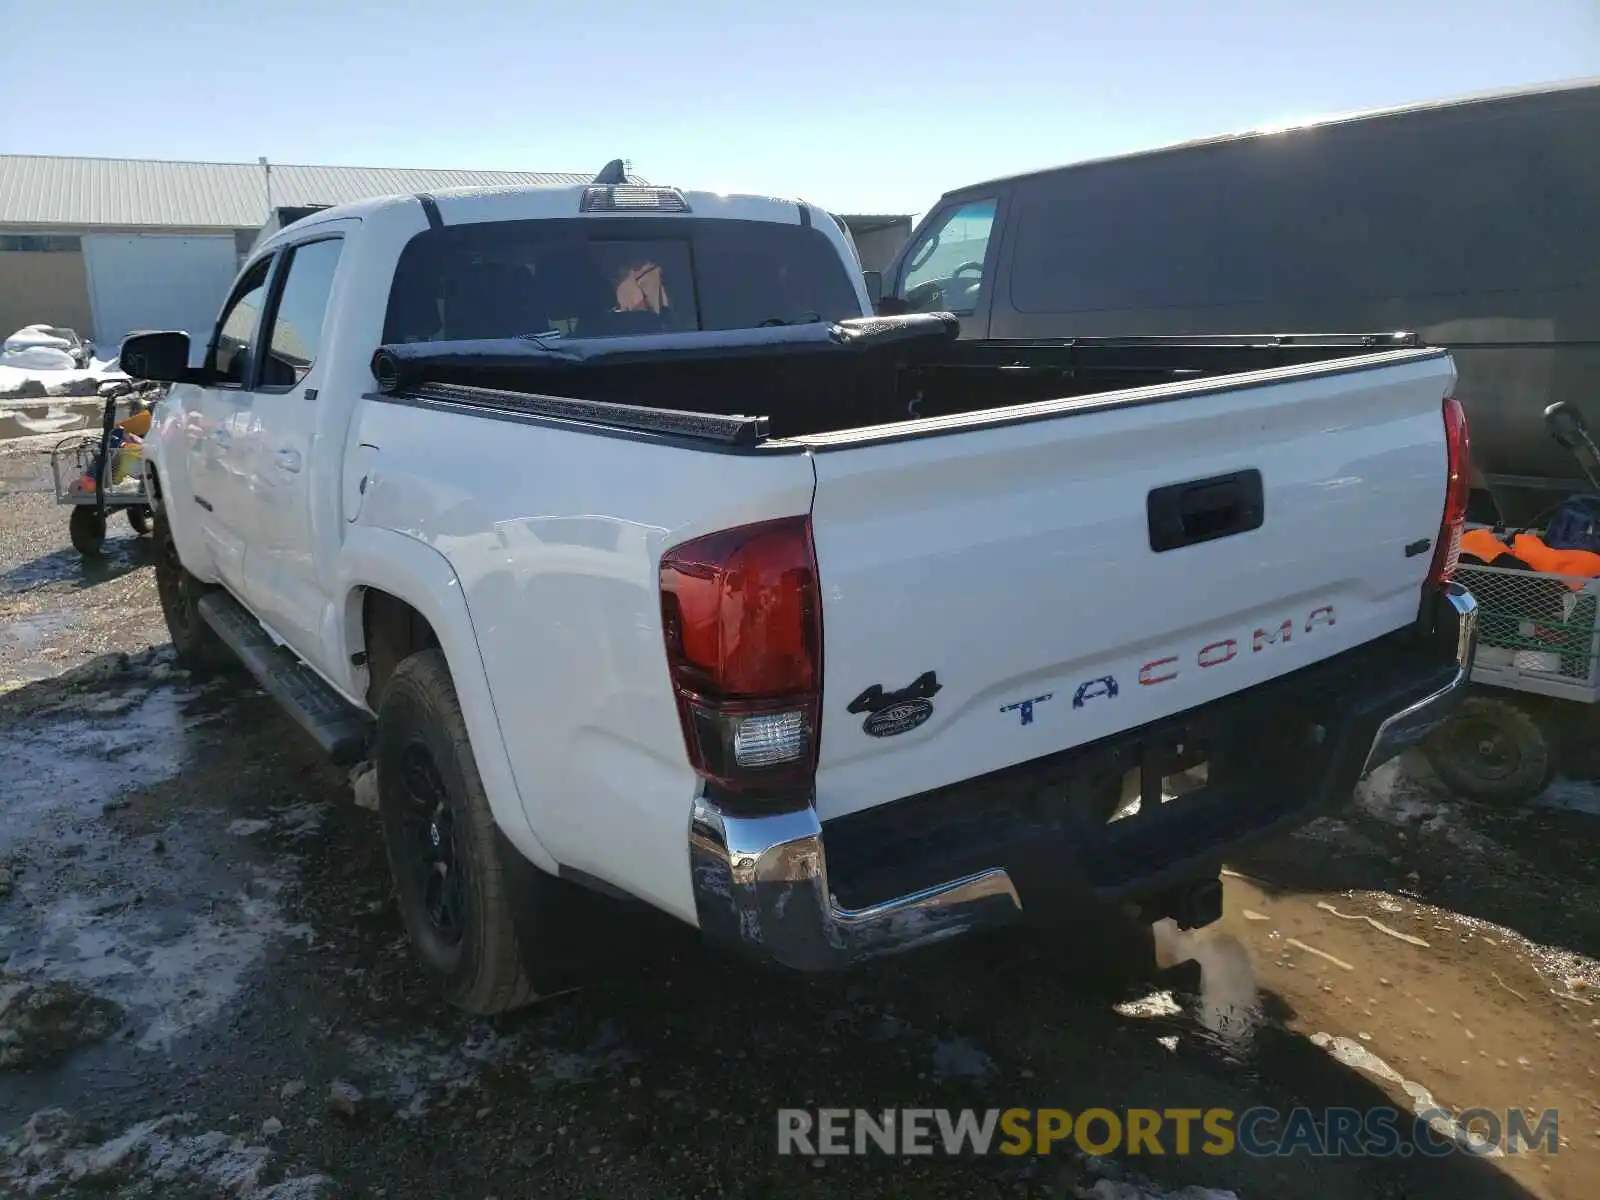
(878, 236)
(110, 245)
(105, 246)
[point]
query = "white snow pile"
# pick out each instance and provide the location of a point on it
(1396, 797)
(169, 979)
(54, 1151)
(41, 360)
(38, 348)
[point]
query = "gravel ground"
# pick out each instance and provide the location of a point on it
(205, 989)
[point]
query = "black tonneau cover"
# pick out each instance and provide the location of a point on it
(744, 388)
(402, 366)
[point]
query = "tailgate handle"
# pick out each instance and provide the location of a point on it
(1202, 510)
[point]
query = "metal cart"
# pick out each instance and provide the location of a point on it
(96, 475)
(1538, 645)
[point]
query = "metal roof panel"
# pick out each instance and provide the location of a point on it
(125, 192)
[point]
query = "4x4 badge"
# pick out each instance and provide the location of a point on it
(891, 713)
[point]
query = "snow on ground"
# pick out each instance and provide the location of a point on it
(107, 919)
(1574, 795)
(434, 1068)
(1398, 793)
(54, 1152)
(56, 382)
(1354, 1054)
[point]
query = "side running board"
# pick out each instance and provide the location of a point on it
(341, 729)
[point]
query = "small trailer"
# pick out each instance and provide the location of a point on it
(1538, 646)
(101, 474)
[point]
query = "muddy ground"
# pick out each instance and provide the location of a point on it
(202, 969)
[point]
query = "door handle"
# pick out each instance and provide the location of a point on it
(287, 460)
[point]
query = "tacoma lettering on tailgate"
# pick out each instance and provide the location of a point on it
(1169, 667)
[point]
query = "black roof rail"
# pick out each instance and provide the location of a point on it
(613, 173)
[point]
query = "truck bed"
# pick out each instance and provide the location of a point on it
(743, 388)
(1051, 545)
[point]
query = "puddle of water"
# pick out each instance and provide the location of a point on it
(1441, 1010)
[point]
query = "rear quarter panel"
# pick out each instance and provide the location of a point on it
(554, 535)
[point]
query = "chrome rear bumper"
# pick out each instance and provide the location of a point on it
(761, 881)
(1414, 722)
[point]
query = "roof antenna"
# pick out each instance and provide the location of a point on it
(613, 173)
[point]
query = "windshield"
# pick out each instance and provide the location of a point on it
(610, 277)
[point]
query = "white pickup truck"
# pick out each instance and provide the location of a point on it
(645, 566)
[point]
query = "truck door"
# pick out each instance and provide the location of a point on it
(950, 266)
(280, 565)
(218, 472)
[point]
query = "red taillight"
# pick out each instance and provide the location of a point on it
(1458, 489)
(742, 617)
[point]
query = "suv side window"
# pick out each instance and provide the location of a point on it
(236, 329)
(297, 319)
(944, 270)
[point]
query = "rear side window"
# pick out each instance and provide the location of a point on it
(302, 305)
(613, 277)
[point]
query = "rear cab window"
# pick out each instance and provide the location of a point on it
(613, 277)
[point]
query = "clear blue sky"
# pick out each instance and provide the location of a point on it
(872, 105)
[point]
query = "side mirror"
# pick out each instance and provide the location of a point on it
(874, 282)
(163, 357)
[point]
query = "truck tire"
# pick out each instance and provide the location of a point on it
(1493, 750)
(453, 871)
(87, 528)
(197, 645)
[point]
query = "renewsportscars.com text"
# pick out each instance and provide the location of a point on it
(1258, 1132)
